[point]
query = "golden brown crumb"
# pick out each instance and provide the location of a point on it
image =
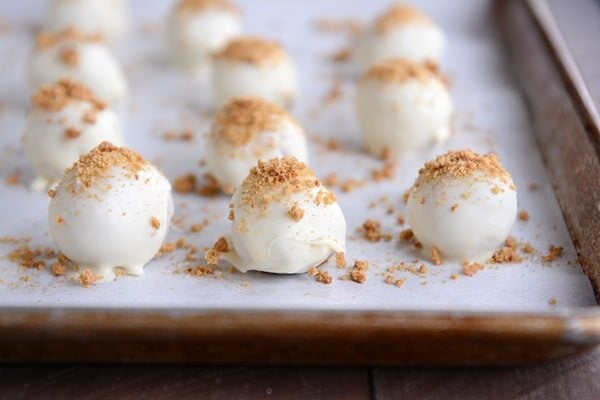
(167, 248)
(331, 180)
(463, 163)
(334, 94)
(209, 187)
(552, 301)
(553, 253)
(400, 220)
(454, 276)
(405, 196)
(533, 186)
(387, 171)
(399, 70)
(221, 245)
(155, 223)
(13, 179)
(454, 208)
(242, 118)
(341, 55)
(59, 220)
(196, 6)
(98, 163)
(200, 270)
(71, 133)
(523, 216)
(321, 276)
(69, 56)
(470, 269)
(351, 184)
(359, 271)
(57, 269)
(276, 180)
(185, 183)
(407, 235)
(252, 50)
(91, 116)
(231, 215)
(185, 136)
(372, 230)
(212, 255)
(436, 256)
(508, 253)
(528, 248)
(48, 39)
(340, 259)
(350, 26)
(397, 15)
(58, 95)
(195, 228)
(87, 277)
(296, 213)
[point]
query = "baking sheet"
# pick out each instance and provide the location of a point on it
(490, 116)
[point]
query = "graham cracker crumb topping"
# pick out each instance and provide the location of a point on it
(203, 5)
(99, 162)
(69, 56)
(340, 259)
(252, 50)
(397, 15)
(277, 180)
(58, 95)
(400, 70)
(49, 39)
(243, 118)
(296, 213)
(87, 277)
(463, 164)
(359, 271)
(155, 223)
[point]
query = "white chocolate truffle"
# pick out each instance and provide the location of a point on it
(251, 66)
(283, 220)
(81, 57)
(402, 106)
(400, 32)
(66, 121)
(462, 204)
(111, 209)
(106, 17)
(196, 29)
(245, 130)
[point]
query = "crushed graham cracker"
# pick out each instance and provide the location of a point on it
(185, 183)
(554, 253)
(184, 136)
(57, 269)
(436, 256)
(212, 255)
(242, 118)
(470, 269)
(45, 40)
(200, 270)
(400, 70)
(252, 50)
(69, 56)
(295, 212)
(14, 178)
(508, 253)
(462, 164)
(197, 6)
(359, 271)
(387, 171)
(341, 55)
(57, 96)
(72, 133)
(398, 15)
(98, 163)
(155, 223)
(87, 277)
(523, 215)
(340, 259)
(372, 230)
(276, 180)
(321, 276)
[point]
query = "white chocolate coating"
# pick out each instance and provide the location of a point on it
(479, 224)
(107, 17)
(96, 68)
(50, 151)
(229, 164)
(194, 36)
(114, 229)
(403, 116)
(275, 243)
(416, 41)
(273, 81)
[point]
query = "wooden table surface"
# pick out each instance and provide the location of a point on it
(572, 378)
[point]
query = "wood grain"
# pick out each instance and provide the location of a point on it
(571, 378)
(182, 382)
